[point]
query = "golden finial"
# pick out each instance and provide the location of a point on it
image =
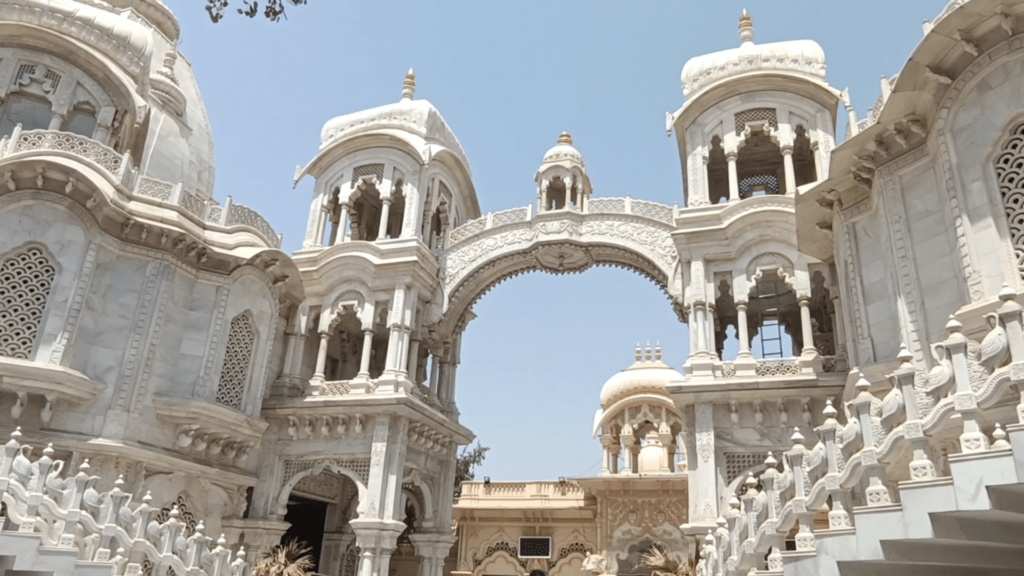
(565, 138)
(409, 86)
(746, 27)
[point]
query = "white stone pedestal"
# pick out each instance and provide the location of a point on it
(919, 497)
(972, 472)
(874, 524)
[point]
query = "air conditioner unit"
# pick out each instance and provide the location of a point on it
(535, 547)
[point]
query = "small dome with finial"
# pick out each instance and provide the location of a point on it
(803, 58)
(648, 375)
(563, 152)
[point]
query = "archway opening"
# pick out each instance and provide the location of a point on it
(533, 398)
(759, 166)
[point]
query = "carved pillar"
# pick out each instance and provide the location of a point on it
(734, 181)
(56, 121)
(385, 213)
(432, 549)
(333, 238)
(543, 196)
(741, 330)
(568, 192)
(703, 476)
(364, 361)
(321, 357)
(413, 363)
(435, 373)
(342, 226)
(805, 327)
(787, 164)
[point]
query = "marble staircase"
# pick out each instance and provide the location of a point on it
(986, 542)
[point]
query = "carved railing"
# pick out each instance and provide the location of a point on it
(966, 379)
(207, 210)
(524, 490)
(643, 208)
(70, 514)
(119, 166)
(778, 367)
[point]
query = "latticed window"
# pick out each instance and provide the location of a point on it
(1010, 176)
(766, 115)
(234, 373)
(25, 281)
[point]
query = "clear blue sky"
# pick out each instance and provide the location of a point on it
(509, 77)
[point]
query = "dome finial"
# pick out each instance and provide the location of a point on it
(409, 86)
(746, 28)
(565, 138)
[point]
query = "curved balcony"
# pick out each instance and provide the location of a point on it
(120, 170)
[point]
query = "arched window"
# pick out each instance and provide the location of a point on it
(25, 281)
(32, 112)
(234, 372)
(1010, 176)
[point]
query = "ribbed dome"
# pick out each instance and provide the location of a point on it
(563, 152)
(797, 57)
(648, 375)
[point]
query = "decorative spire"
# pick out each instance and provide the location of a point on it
(409, 86)
(746, 28)
(639, 354)
(565, 138)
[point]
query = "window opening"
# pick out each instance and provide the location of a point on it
(234, 372)
(1009, 167)
(25, 281)
(718, 173)
(31, 112)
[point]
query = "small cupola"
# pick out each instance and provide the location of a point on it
(562, 181)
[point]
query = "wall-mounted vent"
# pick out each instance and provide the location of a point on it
(535, 547)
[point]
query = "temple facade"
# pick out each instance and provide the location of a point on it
(180, 395)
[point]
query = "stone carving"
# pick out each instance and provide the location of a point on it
(81, 146)
(595, 564)
(234, 373)
(245, 216)
(25, 280)
(1010, 177)
(705, 432)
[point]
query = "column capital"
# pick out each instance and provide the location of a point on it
(376, 534)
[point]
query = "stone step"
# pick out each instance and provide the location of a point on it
(885, 568)
(979, 526)
(953, 552)
(1007, 497)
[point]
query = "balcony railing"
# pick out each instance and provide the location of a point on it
(121, 170)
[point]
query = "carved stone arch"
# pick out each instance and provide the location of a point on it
(351, 299)
(569, 565)
(75, 242)
(415, 478)
(280, 505)
(771, 262)
(952, 103)
(500, 563)
(566, 243)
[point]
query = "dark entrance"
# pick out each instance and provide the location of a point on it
(307, 518)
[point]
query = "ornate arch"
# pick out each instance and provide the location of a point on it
(415, 478)
(562, 243)
(281, 502)
(500, 563)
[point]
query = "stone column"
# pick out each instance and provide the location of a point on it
(385, 212)
(435, 375)
(56, 121)
(741, 329)
(321, 357)
(333, 238)
(342, 224)
(703, 476)
(413, 363)
(787, 164)
(432, 549)
(734, 181)
(805, 326)
(364, 362)
(543, 197)
(839, 334)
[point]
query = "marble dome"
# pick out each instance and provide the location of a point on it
(648, 375)
(563, 152)
(797, 57)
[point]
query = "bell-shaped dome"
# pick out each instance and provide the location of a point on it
(803, 58)
(648, 375)
(563, 153)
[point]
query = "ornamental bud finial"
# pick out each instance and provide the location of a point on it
(409, 86)
(565, 138)
(746, 28)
